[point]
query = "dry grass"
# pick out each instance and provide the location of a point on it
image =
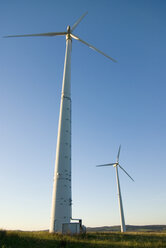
(17, 239)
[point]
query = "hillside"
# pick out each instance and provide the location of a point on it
(130, 228)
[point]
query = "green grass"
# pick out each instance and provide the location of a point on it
(17, 239)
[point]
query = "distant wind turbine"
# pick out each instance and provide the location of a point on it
(61, 202)
(116, 165)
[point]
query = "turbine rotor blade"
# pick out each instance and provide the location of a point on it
(42, 34)
(118, 154)
(78, 21)
(92, 47)
(105, 165)
(126, 173)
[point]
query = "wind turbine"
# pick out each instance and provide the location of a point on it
(61, 201)
(116, 165)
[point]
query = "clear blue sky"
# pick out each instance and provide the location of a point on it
(112, 103)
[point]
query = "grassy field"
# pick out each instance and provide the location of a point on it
(18, 239)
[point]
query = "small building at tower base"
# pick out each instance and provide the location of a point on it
(73, 228)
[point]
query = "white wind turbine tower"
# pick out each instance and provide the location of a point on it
(116, 165)
(61, 202)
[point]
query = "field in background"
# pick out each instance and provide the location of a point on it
(129, 228)
(18, 239)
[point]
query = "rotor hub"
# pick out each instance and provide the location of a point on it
(68, 36)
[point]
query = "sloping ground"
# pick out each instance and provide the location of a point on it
(17, 239)
(148, 228)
